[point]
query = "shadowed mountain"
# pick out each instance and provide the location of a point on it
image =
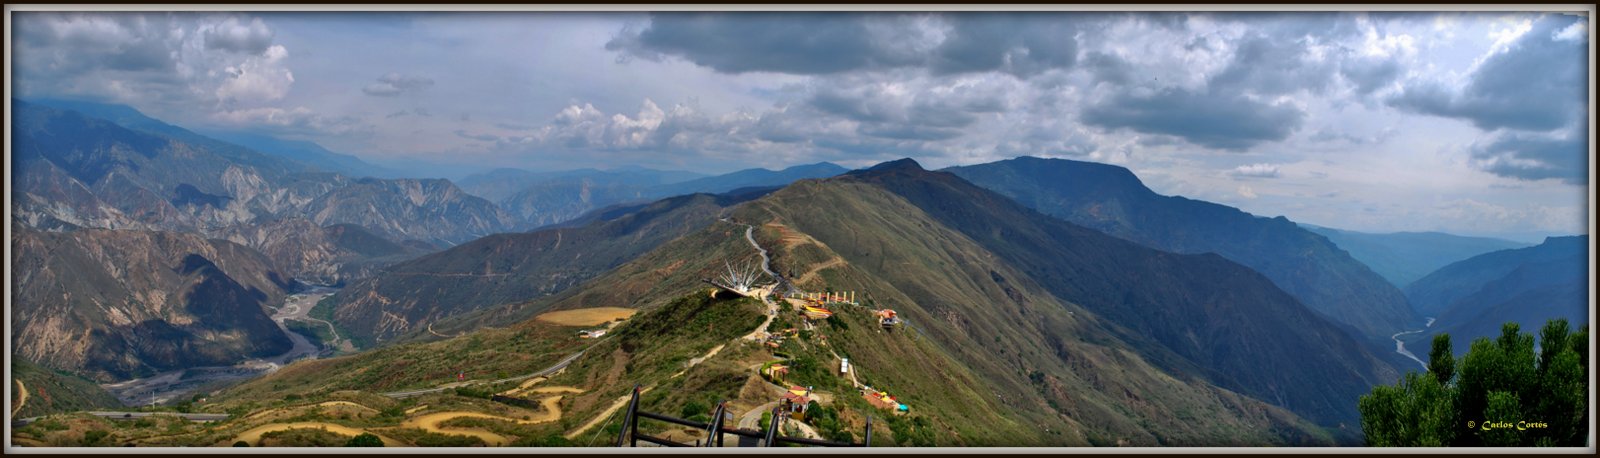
(1404, 257)
(122, 304)
(1473, 298)
(514, 267)
(1112, 200)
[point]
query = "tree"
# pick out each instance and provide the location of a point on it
(364, 440)
(1501, 393)
(1441, 361)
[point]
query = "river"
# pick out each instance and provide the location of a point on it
(1400, 347)
(180, 384)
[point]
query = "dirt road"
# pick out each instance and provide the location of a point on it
(22, 399)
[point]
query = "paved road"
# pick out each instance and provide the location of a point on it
(547, 371)
(133, 415)
(750, 419)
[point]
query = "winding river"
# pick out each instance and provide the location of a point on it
(1400, 347)
(179, 384)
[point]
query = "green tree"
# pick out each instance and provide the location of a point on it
(1441, 361)
(364, 440)
(1501, 393)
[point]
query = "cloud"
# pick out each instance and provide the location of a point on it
(226, 64)
(491, 138)
(1246, 192)
(394, 84)
(1255, 171)
(259, 79)
(1535, 156)
(805, 43)
(1221, 121)
(1019, 44)
(295, 121)
(831, 43)
(1537, 82)
(232, 35)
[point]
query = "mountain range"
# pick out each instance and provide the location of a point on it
(1112, 200)
(1044, 302)
(1473, 298)
(1404, 257)
(1117, 335)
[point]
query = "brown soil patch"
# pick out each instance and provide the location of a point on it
(586, 317)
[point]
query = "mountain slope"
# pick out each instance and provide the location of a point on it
(326, 255)
(75, 170)
(1404, 257)
(1112, 200)
(119, 304)
(51, 391)
(1473, 298)
(1018, 319)
(508, 268)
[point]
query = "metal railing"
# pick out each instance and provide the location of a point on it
(717, 431)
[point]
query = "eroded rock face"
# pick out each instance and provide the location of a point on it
(117, 304)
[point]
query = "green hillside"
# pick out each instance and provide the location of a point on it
(50, 391)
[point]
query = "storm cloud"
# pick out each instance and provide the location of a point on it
(1538, 83)
(1222, 121)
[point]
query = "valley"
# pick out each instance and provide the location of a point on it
(166, 387)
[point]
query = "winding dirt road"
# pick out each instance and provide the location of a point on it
(22, 400)
(253, 436)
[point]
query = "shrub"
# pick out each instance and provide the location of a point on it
(94, 437)
(364, 440)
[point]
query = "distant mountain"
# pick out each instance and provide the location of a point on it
(1404, 257)
(75, 170)
(516, 267)
(118, 304)
(305, 152)
(1473, 298)
(1112, 200)
(328, 255)
(750, 178)
(545, 198)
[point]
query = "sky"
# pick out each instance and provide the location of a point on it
(1469, 123)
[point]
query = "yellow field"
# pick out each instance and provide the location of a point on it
(586, 317)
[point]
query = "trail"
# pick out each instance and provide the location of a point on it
(805, 277)
(431, 331)
(430, 422)
(1400, 347)
(547, 371)
(615, 406)
(696, 361)
(253, 436)
(22, 400)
